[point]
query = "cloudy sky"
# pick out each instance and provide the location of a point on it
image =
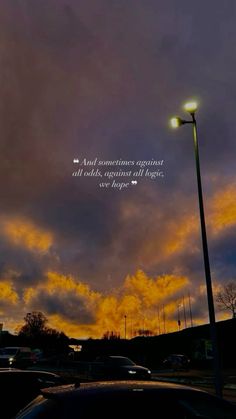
(99, 79)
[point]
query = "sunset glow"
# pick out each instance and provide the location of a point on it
(99, 216)
(24, 233)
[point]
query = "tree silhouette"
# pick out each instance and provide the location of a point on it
(226, 298)
(36, 334)
(35, 324)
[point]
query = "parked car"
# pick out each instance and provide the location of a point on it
(134, 399)
(16, 356)
(176, 362)
(121, 367)
(19, 387)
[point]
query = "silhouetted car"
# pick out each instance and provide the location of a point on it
(16, 356)
(19, 387)
(121, 399)
(176, 362)
(121, 368)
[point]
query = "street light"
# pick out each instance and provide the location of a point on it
(191, 108)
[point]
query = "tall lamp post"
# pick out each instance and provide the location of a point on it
(191, 108)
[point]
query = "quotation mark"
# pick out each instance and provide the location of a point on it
(134, 182)
(76, 161)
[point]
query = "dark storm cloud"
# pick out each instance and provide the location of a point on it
(69, 306)
(86, 79)
(23, 267)
(223, 256)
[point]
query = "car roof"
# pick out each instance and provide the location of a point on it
(91, 398)
(67, 391)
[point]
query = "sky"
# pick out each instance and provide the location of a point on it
(99, 80)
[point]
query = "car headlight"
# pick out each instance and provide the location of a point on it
(11, 360)
(149, 372)
(132, 372)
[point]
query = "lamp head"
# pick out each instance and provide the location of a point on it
(175, 122)
(190, 107)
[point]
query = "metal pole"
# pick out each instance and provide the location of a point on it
(125, 326)
(190, 310)
(216, 357)
(158, 315)
(185, 319)
(179, 321)
(164, 320)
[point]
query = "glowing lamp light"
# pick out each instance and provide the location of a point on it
(175, 122)
(190, 107)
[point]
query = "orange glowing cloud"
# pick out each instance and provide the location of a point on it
(179, 234)
(223, 209)
(64, 283)
(73, 302)
(62, 289)
(7, 293)
(60, 284)
(160, 240)
(22, 232)
(59, 323)
(138, 299)
(153, 291)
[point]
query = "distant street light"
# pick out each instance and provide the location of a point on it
(191, 108)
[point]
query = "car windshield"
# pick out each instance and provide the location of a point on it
(121, 361)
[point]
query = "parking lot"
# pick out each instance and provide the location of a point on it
(200, 378)
(85, 371)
